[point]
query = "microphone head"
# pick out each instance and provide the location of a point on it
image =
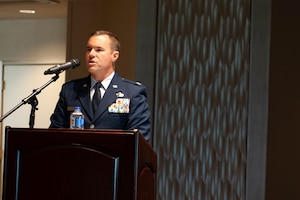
(75, 63)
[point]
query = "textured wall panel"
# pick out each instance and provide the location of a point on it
(201, 98)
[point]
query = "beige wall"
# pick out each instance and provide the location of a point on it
(31, 41)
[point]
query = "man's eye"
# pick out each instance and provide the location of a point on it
(95, 49)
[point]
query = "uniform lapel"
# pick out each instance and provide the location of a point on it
(84, 97)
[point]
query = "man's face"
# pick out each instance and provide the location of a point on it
(100, 57)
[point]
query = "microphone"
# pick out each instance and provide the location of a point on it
(66, 66)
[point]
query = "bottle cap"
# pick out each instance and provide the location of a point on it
(77, 108)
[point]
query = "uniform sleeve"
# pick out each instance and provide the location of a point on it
(60, 116)
(139, 117)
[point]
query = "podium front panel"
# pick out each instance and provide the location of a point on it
(70, 164)
(73, 171)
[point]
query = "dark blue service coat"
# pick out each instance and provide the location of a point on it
(124, 106)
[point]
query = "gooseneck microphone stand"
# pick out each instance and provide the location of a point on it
(31, 99)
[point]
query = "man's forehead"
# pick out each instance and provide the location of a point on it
(100, 38)
(98, 41)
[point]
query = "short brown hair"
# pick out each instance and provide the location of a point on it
(115, 43)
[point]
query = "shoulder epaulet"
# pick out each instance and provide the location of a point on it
(69, 81)
(129, 81)
(74, 80)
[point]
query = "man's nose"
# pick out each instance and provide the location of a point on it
(92, 53)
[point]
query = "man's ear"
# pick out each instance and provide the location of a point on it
(115, 55)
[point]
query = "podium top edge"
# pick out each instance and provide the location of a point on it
(68, 130)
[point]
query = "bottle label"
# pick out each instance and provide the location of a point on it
(79, 122)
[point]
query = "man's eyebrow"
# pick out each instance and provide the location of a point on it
(94, 47)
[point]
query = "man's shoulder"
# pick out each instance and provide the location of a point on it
(130, 82)
(127, 82)
(78, 81)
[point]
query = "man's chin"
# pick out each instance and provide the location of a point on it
(91, 67)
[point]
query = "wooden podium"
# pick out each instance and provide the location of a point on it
(63, 164)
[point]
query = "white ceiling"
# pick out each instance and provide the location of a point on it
(9, 9)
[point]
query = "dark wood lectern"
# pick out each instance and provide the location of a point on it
(63, 164)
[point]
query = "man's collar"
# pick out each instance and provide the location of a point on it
(105, 82)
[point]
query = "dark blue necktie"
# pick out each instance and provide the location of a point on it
(97, 97)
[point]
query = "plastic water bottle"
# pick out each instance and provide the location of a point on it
(77, 119)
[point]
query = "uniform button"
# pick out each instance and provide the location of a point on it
(92, 126)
